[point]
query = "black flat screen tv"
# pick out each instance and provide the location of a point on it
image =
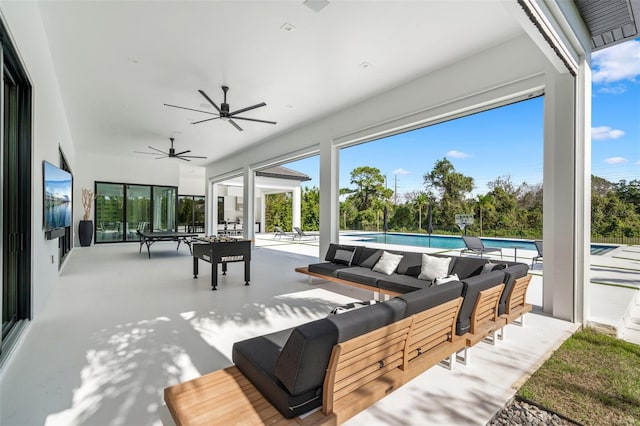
(58, 185)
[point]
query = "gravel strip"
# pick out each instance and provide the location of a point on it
(521, 413)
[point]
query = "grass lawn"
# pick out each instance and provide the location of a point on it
(593, 379)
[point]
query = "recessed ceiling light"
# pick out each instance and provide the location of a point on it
(365, 64)
(287, 27)
(316, 5)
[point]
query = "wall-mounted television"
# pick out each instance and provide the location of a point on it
(58, 186)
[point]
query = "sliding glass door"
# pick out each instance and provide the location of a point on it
(109, 212)
(122, 209)
(138, 210)
(165, 199)
(191, 213)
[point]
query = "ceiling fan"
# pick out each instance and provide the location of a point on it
(171, 154)
(224, 112)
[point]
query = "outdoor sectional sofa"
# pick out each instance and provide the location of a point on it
(346, 362)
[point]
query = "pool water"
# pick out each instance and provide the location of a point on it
(452, 242)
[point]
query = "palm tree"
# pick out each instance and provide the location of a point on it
(420, 201)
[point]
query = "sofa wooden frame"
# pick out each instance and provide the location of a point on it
(305, 270)
(361, 371)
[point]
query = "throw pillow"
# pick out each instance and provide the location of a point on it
(387, 263)
(344, 256)
(446, 279)
(433, 267)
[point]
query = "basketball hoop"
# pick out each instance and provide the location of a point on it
(464, 220)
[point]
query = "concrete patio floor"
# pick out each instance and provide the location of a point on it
(119, 327)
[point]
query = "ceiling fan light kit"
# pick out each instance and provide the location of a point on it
(224, 111)
(171, 154)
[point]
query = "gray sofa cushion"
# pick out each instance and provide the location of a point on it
(402, 283)
(359, 274)
(511, 273)
(303, 361)
(410, 264)
(260, 370)
(367, 257)
(360, 321)
(331, 251)
(465, 267)
(327, 268)
(305, 356)
(421, 300)
(472, 288)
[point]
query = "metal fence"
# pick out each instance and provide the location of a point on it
(521, 233)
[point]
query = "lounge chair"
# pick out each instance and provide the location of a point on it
(475, 245)
(537, 258)
(279, 232)
(300, 233)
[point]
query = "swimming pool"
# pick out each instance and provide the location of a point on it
(454, 242)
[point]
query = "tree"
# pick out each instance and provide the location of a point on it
(369, 191)
(310, 209)
(452, 187)
(485, 202)
(278, 211)
(505, 201)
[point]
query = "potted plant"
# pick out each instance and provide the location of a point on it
(86, 224)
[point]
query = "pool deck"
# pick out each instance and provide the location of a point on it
(614, 280)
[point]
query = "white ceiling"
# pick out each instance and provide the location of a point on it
(118, 62)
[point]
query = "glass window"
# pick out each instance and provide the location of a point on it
(165, 200)
(191, 213)
(109, 212)
(138, 210)
(185, 212)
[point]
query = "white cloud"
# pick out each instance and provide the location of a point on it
(400, 171)
(457, 154)
(616, 160)
(605, 132)
(618, 89)
(638, 162)
(616, 63)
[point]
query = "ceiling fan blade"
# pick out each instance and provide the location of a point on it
(190, 109)
(209, 99)
(160, 158)
(183, 152)
(183, 159)
(261, 104)
(191, 156)
(254, 119)
(156, 149)
(234, 124)
(202, 121)
(142, 152)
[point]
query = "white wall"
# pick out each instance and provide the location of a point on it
(192, 180)
(120, 169)
(50, 131)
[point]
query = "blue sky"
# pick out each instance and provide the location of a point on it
(508, 141)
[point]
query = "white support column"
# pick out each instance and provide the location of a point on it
(263, 213)
(212, 207)
(329, 196)
(296, 208)
(566, 211)
(248, 214)
(583, 192)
